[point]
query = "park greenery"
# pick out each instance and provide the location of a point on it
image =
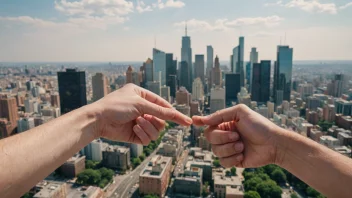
(266, 181)
(325, 125)
(216, 163)
(95, 174)
(151, 196)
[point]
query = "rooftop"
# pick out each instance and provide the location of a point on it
(114, 148)
(48, 189)
(227, 181)
(156, 167)
(75, 159)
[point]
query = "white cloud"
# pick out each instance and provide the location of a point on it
(142, 7)
(346, 6)
(256, 21)
(169, 4)
(225, 24)
(307, 5)
(313, 6)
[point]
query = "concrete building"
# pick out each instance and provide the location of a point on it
(315, 135)
(343, 107)
(51, 111)
(149, 70)
(189, 182)
(8, 110)
(343, 121)
(217, 99)
(117, 157)
(305, 90)
(216, 73)
(154, 179)
(262, 110)
(184, 109)
(51, 189)
(345, 139)
(87, 192)
(154, 87)
(198, 89)
(55, 99)
(24, 124)
(253, 59)
(271, 109)
(195, 110)
(39, 120)
(5, 128)
(313, 117)
(165, 93)
(183, 96)
(100, 86)
(224, 186)
(313, 103)
(329, 141)
(203, 143)
(171, 144)
(203, 160)
(243, 97)
(343, 150)
(73, 166)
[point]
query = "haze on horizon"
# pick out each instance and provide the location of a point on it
(122, 30)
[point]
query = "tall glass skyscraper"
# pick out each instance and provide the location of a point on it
(232, 87)
(185, 76)
(210, 59)
(149, 70)
(252, 59)
(261, 82)
(186, 54)
(159, 60)
(237, 63)
(199, 67)
(283, 72)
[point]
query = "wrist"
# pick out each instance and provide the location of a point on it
(283, 142)
(93, 118)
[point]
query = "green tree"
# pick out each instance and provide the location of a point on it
(216, 163)
(325, 125)
(205, 191)
(251, 194)
(294, 195)
(311, 192)
(106, 174)
(279, 176)
(252, 183)
(89, 177)
(142, 157)
(90, 164)
(136, 162)
(228, 173)
(103, 183)
(28, 195)
(147, 151)
(268, 169)
(269, 189)
(233, 171)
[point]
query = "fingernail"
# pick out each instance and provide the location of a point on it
(233, 136)
(189, 121)
(238, 147)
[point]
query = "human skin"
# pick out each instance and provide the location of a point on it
(130, 114)
(243, 138)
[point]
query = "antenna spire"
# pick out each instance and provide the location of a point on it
(186, 27)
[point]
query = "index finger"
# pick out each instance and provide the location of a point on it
(153, 98)
(224, 115)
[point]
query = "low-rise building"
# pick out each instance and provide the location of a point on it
(315, 134)
(87, 192)
(204, 143)
(171, 145)
(345, 139)
(117, 157)
(343, 150)
(50, 189)
(228, 187)
(189, 182)
(73, 166)
(154, 179)
(329, 141)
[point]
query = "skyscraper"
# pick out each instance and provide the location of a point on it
(232, 87)
(100, 86)
(253, 58)
(149, 70)
(238, 60)
(217, 99)
(172, 81)
(185, 76)
(283, 72)
(261, 82)
(216, 73)
(72, 89)
(234, 63)
(132, 76)
(186, 53)
(197, 90)
(210, 59)
(171, 74)
(159, 60)
(199, 67)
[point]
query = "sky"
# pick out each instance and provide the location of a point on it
(127, 30)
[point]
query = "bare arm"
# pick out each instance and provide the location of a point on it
(29, 157)
(320, 167)
(243, 138)
(130, 114)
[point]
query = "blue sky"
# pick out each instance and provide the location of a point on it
(125, 30)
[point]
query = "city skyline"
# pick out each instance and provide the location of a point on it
(102, 31)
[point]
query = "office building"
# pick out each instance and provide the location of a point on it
(186, 55)
(203, 143)
(234, 59)
(5, 128)
(217, 99)
(337, 85)
(73, 166)
(313, 103)
(329, 141)
(117, 157)
(184, 109)
(261, 82)
(243, 97)
(136, 150)
(210, 59)
(165, 93)
(50, 189)
(216, 73)
(148, 70)
(343, 107)
(237, 63)
(132, 76)
(172, 79)
(329, 113)
(159, 61)
(232, 86)
(252, 60)
(199, 67)
(197, 90)
(100, 86)
(25, 124)
(55, 99)
(72, 90)
(185, 76)
(154, 87)
(171, 74)
(283, 73)
(154, 179)
(271, 109)
(8, 110)
(305, 90)
(194, 108)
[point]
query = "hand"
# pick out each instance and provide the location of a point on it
(241, 137)
(133, 114)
